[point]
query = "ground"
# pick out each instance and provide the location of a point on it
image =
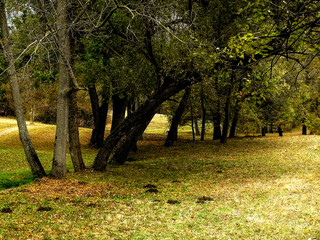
(251, 188)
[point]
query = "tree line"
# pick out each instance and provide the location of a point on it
(227, 62)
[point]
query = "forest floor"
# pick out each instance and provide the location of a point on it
(250, 188)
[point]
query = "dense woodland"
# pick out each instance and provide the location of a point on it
(246, 66)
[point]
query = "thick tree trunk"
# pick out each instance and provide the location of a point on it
(31, 155)
(119, 110)
(137, 120)
(59, 169)
(74, 140)
(129, 141)
(173, 131)
(100, 114)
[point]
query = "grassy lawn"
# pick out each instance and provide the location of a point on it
(251, 188)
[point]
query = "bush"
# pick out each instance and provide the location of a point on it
(313, 123)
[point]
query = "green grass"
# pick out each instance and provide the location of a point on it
(259, 188)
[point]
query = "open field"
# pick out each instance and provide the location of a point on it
(251, 188)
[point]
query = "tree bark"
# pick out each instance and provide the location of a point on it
(119, 110)
(192, 123)
(173, 131)
(31, 155)
(280, 131)
(196, 126)
(137, 120)
(225, 128)
(74, 140)
(100, 114)
(233, 127)
(304, 130)
(216, 125)
(203, 125)
(226, 115)
(59, 169)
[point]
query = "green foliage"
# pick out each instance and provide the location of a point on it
(313, 123)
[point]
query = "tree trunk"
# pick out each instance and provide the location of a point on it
(59, 169)
(192, 123)
(137, 119)
(217, 126)
(31, 155)
(129, 141)
(280, 131)
(226, 119)
(173, 132)
(94, 99)
(196, 126)
(119, 110)
(233, 127)
(74, 141)
(100, 114)
(203, 123)
(263, 131)
(304, 130)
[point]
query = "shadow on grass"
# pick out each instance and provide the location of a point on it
(11, 180)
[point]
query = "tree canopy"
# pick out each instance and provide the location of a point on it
(246, 61)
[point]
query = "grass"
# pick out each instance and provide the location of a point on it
(254, 188)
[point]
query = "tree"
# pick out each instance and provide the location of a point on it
(59, 168)
(173, 131)
(32, 157)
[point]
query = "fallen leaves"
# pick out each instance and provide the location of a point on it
(66, 188)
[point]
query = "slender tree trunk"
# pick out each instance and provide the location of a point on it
(263, 131)
(138, 118)
(173, 131)
(94, 99)
(100, 114)
(119, 110)
(304, 130)
(196, 126)
(192, 123)
(226, 114)
(74, 140)
(59, 169)
(217, 122)
(203, 126)
(233, 127)
(280, 131)
(32, 157)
